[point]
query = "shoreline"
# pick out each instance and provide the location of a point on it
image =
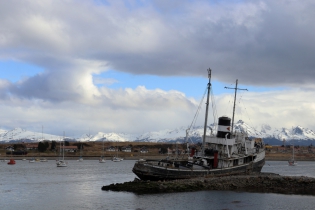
(132, 158)
(262, 183)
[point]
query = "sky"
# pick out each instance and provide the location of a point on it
(137, 66)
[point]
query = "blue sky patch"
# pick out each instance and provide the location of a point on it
(15, 71)
(191, 86)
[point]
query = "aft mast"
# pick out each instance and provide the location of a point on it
(206, 117)
(234, 103)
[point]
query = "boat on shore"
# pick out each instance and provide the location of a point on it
(225, 153)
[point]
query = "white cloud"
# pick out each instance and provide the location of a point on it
(121, 110)
(266, 43)
(285, 108)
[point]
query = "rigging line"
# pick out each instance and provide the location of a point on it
(193, 123)
(240, 110)
(214, 108)
(250, 122)
(230, 101)
(198, 110)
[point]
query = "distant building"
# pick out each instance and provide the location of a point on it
(304, 151)
(9, 148)
(281, 149)
(169, 151)
(111, 149)
(144, 150)
(31, 146)
(126, 149)
(69, 148)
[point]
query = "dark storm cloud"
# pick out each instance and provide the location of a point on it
(267, 43)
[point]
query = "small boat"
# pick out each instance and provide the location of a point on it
(43, 160)
(80, 158)
(11, 162)
(23, 159)
(102, 158)
(62, 162)
(117, 159)
(141, 160)
(292, 162)
(225, 153)
(4, 160)
(32, 160)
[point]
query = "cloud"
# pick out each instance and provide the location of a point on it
(246, 40)
(120, 110)
(286, 108)
(141, 110)
(73, 82)
(262, 43)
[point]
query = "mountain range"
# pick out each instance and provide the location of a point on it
(296, 135)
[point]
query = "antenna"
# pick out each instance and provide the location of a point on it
(234, 102)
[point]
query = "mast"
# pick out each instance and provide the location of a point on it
(206, 117)
(234, 107)
(63, 151)
(234, 103)
(60, 148)
(103, 145)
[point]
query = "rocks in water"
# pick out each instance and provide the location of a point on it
(271, 183)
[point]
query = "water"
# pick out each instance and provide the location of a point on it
(44, 186)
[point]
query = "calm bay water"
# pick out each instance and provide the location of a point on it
(44, 186)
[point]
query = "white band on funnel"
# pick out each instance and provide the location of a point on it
(224, 128)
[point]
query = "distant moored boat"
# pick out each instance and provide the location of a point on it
(11, 162)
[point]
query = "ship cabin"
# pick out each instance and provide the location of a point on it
(226, 150)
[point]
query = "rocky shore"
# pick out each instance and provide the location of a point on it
(263, 182)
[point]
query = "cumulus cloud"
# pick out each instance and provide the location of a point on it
(73, 82)
(286, 108)
(123, 110)
(265, 43)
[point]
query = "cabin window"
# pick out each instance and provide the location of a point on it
(235, 162)
(247, 159)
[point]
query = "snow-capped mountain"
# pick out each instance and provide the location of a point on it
(18, 134)
(270, 135)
